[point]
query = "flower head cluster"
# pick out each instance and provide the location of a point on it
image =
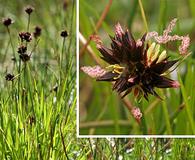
(22, 49)
(135, 66)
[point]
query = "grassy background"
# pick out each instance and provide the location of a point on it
(154, 149)
(101, 110)
(37, 122)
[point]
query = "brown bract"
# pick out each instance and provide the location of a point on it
(22, 49)
(24, 57)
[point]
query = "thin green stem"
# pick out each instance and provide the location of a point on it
(71, 26)
(61, 61)
(186, 101)
(19, 79)
(61, 55)
(166, 115)
(143, 15)
(172, 118)
(132, 13)
(30, 85)
(13, 50)
(143, 124)
(24, 97)
(162, 15)
(28, 24)
(64, 146)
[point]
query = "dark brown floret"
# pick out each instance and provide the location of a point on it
(22, 49)
(29, 9)
(7, 22)
(25, 36)
(37, 32)
(24, 57)
(64, 34)
(9, 77)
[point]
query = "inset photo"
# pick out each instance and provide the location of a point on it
(136, 68)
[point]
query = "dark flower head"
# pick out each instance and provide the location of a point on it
(22, 49)
(24, 57)
(29, 10)
(55, 88)
(25, 36)
(7, 21)
(135, 66)
(37, 32)
(9, 77)
(64, 34)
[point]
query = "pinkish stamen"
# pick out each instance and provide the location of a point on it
(131, 80)
(118, 30)
(184, 45)
(175, 84)
(96, 39)
(93, 72)
(138, 43)
(185, 40)
(136, 114)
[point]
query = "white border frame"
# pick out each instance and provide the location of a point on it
(77, 67)
(77, 109)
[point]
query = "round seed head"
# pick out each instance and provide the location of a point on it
(64, 34)
(29, 10)
(7, 21)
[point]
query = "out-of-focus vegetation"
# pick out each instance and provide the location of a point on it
(101, 111)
